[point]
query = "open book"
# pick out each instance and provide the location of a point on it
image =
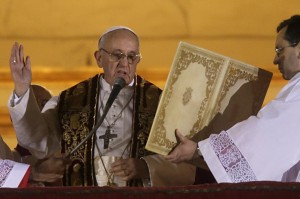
(205, 93)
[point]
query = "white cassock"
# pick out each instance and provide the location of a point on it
(11, 173)
(40, 133)
(263, 147)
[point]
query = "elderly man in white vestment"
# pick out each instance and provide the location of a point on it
(115, 155)
(266, 146)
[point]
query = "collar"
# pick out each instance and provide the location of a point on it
(108, 88)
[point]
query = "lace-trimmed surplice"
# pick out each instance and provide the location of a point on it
(231, 158)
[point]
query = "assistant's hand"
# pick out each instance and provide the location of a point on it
(49, 169)
(20, 69)
(129, 169)
(184, 151)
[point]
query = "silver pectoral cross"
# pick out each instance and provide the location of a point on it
(107, 136)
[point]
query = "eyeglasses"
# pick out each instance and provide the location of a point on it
(280, 50)
(132, 58)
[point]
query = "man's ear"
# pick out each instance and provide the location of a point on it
(98, 57)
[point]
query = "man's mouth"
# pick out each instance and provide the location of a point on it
(121, 72)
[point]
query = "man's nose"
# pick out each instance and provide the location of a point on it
(124, 60)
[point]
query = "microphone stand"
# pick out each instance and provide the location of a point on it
(91, 133)
(118, 85)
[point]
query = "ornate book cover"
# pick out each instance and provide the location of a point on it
(205, 93)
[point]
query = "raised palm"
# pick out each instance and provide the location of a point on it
(20, 69)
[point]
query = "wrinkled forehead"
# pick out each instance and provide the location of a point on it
(113, 29)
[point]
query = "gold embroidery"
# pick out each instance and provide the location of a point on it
(187, 95)
(75, 178)
(212, 67)
(74, 121)
(77, 115)
(142, 137)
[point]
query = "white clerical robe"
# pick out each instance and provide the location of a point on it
(40, 134)
(11, 173)
(261, 148)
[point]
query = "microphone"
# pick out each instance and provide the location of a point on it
(119, 83)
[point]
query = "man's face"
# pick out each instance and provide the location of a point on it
(118, 42)
(288, 57)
